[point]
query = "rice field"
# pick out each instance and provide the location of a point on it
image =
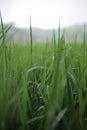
(43, 86)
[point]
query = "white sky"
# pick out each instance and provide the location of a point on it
(44, 13)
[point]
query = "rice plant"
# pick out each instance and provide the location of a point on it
(44, 86)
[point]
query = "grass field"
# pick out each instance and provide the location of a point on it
(43, 86)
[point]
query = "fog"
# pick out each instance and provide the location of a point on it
(44, 13)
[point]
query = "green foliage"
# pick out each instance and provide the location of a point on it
(44, 86)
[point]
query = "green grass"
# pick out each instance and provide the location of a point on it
(43, 86)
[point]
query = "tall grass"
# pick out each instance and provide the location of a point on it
(44, 88)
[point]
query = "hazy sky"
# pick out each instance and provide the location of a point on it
(44, 13)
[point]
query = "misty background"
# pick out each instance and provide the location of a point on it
(45, 16)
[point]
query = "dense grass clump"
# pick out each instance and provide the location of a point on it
(43, 86)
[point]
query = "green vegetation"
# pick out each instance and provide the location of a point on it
(43, 86)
